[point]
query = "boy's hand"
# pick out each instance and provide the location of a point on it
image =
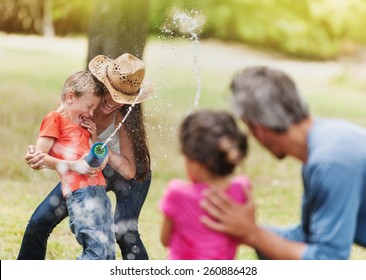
(104, 163)
(82, 167)
(89, 125)
(34, 159)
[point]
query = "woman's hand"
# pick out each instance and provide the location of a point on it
(91, 127)
(34, 159)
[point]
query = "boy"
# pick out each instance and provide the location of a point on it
(65, 143)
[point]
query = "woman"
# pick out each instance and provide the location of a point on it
(128, 171)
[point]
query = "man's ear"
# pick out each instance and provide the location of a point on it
(69, 97)
(257, 130)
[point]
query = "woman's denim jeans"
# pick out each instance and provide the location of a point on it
(91, 221)
(130, 197)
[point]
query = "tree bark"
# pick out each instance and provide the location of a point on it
(117, 27)
(48, 29)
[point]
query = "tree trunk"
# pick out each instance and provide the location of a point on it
(117, 27)
(48, 29)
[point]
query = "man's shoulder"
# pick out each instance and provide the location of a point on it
(333, 141)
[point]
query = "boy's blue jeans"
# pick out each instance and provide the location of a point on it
(130, 197)
(91, 221)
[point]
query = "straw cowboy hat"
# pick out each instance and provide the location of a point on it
(123, 77)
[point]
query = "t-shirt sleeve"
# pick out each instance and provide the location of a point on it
(241, 183)
(330, 207)
(169, 203)
(50, 126)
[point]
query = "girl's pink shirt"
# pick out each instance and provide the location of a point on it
(190, 239)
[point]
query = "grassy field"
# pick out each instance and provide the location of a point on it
(33, 70)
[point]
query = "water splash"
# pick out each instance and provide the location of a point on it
(182, 25)
(185, 23)
(188, 23)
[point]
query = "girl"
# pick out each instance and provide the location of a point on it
(212, 147)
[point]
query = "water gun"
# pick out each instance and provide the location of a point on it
(97, 154)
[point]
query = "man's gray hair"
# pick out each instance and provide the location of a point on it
(268, 97)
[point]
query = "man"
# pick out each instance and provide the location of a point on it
(333, 153)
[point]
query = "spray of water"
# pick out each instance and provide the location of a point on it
(182, 24)
(188, 23)
(185, 23)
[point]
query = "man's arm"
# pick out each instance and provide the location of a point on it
(330, 208)
(238, 220)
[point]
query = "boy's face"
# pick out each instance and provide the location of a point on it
(82, 107)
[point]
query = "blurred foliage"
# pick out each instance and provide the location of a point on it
(21, 16)
(316, 29)
(26, 16)
(116, 27)
(72, 16)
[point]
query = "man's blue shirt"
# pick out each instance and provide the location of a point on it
(334, 200)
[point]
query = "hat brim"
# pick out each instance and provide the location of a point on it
(98, 67)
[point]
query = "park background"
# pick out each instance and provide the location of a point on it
(191, 50)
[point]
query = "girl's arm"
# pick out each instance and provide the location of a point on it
(166, 231)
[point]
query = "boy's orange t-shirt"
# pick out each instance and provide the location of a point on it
(71, 143)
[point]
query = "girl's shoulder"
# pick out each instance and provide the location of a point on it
(176, 190)
(238, 187)
(180, 187)
(241, 180)
(177, 184)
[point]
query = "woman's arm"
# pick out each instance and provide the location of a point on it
(34, 159)
(124, 162)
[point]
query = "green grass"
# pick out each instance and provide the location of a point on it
(32, 74)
